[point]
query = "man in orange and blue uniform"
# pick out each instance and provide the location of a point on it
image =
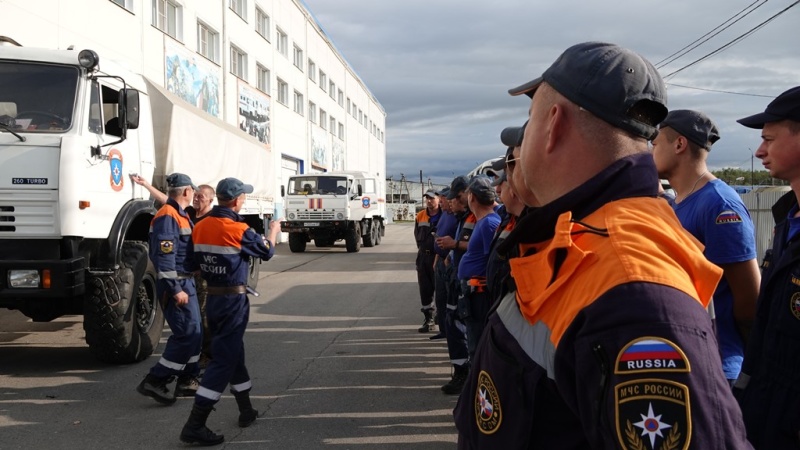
(424, 234)
(604, 341)
(224, 244)
(171, 254)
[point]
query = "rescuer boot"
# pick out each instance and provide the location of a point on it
(196, 432)
(187, 386)
(456, 384)
(157, 389)
(429, 324)
(247, 415)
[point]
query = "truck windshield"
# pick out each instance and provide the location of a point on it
(312, 185)
(36, 98)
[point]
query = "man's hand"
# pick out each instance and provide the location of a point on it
(446, 242)
(138, 179)
(181, 298)
(274, 229)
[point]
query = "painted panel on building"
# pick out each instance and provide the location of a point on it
(338, 156)
(254, 113)
(192, 78)
(320, 143)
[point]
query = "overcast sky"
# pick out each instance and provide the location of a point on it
(442, 68)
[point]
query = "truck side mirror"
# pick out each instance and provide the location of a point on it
(360, 190)
(283, 191)
(129, 108)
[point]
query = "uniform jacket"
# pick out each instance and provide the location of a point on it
(768, 388)
(498, 269)
(223, 244)
(171, 245)
(605, 342)
(424, 226)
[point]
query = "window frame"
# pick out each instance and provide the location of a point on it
(263, 78)
(283, 92)
(157, 18)
(263, 21)
(213, 43)
(282, 42)
(239, 7)
(242, 74)
(298, 56)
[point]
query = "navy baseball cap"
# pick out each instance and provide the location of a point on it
(230, 188)
(444, 191)
(430, 193)
(481, 188)
(693, 125)
(175, 180)
(457, 186)
(512, 136)
(500, 179)
(613, 83)
(785, 107)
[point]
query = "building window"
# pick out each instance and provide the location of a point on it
(323, 81)
(207, 42)
(355, 108)
(312, 70)
(360, 117)
(240, 8)
(283, 92)
(312, 112)
(298, 57)
(323, 118)
(341, 131)
(282, 43)
(263, 79)
(167, 17)
(262, 23)
(299, 103)
(238, 63)
(341, 98)
(348, 105)
(332, 90)
(127, 4)
(333, 126)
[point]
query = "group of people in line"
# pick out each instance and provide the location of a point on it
(588, 308)
(201, 255)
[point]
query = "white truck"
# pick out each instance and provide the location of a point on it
(328, 207)
(73, 227)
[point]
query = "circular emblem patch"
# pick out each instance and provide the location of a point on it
(794, 304)
(488, 413)
(115, 163)
(365, 202)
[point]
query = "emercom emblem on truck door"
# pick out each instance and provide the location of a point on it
(365, 202)
(117, 181)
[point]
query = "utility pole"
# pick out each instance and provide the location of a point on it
(752, 175)
(421, 189)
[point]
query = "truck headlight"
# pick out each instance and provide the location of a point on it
(23, 278)
(340, 216)
(291, 216)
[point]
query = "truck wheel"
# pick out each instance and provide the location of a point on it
(369, 238)
(123, 319)
(352, 240)
(297, 242)
(378, 233)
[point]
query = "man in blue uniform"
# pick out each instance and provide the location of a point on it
(223, 246)
(768, 389)
(171, 253)
(442, 272)
(424, 234)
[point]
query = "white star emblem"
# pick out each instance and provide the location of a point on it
(652, 425)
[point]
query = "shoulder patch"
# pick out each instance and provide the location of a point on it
(653, 414)
(651, 354)
(488, 412)
(794, 305)
(167, 246)
(728, 216)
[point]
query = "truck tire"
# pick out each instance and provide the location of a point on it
(369, 238)
(352, 240)
(123, 319)
(297, 242)
(379, 232)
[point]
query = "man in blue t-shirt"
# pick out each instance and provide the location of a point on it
(714, 214)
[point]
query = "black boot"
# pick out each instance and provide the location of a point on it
(456, 384)
(247, 415)
(196, 432)
(429, 324)
(157, 389)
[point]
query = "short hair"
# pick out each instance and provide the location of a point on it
(226, 202)
(671, 134)
(177, 191)
(207, 189)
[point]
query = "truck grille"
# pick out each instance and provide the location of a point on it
(316, 215)
(28, 213)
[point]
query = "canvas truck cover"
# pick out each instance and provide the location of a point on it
(207, 149)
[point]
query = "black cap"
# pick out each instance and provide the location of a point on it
(512, 136)
(457, 186)
(500, 179)
(693, 125)
(444, 191)
(785, 107)
(430, 193)
(497, 165)
(179, 180)
(230, 188)
(481, 188)
(613, 83)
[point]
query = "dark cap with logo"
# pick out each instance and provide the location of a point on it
(430, 193)
(613, 83)
(693, 125)
(482, 190)
(176, 180)
(785, 107)
(457, 186)
(230, 188)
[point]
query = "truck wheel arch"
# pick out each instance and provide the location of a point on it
(132, 224)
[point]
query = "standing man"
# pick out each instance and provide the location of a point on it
(714, 213)
(767, 389)
(441, 269)
(171, 253)
(223, 246)
(425, 235)
(605, 341)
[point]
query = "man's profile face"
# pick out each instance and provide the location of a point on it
(201, 200)
(529, 166)
(779, 151)
(662, 151)
(432, 202)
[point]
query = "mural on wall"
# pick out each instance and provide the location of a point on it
(254, 113)
(338, 155)
(319, 147)
(192, 78)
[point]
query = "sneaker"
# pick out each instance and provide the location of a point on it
(186, 387)
(156, 388)
(427, 326)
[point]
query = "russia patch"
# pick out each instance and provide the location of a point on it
(794, 305)
(651, 354)
(166, 246)
(728, 216)
(488, 413)
(653, 414)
